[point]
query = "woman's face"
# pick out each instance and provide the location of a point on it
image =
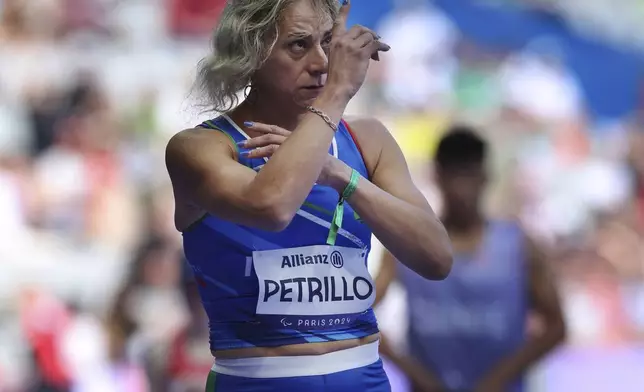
(296, 69)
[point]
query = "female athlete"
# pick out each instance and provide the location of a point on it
(278, 197)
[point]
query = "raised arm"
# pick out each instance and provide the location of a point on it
(392, 206)
(203, 167)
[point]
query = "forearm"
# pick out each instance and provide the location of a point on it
(545, 303)
(413, 235)
(386, 274)
(531, 352)
(291, 172)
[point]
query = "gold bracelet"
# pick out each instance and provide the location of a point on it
(324, 117)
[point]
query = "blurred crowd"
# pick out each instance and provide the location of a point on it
(94, 292)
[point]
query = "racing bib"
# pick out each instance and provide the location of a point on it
(316, 280)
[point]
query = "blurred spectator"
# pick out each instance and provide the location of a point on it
(44, 112)
(419, 72)
(44, 320)
(193, 18)
(190, 360)
(84, 15)
(15, 138)
(531, 74)
(138, 333)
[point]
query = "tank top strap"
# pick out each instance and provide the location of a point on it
(351, 134)
(222, 126)
(228, 127)
(350, 149)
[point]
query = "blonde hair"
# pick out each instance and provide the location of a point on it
(242, 41)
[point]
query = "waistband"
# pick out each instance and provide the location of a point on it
(299, 366)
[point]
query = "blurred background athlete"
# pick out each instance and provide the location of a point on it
(468, 333)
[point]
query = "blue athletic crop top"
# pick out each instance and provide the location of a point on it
(266, 289)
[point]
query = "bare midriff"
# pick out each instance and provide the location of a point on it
(296, 349)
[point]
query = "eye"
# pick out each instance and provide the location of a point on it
(327, 40)
(299, 44)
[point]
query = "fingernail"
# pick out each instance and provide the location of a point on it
(245, 153)
(248, 123)
(242, 143)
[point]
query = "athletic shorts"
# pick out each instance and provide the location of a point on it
(324, 374)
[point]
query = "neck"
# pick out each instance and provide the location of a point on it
(267, 112)
(458, 223)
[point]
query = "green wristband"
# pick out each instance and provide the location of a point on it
(336, 222)
(352, 185)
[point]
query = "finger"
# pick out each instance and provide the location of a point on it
(382, 47)
(374, 47)
(266, 128)
(364, 39)
(273, 129)
(340, 24)
(358, 30)
(261, 152)
(261, 141)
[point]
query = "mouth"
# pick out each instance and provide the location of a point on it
(314, 87)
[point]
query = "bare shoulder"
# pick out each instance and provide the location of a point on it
(367, 127)
(189, 155)
(190, 148)
(372, 136)
(372, 132)
(190, 141)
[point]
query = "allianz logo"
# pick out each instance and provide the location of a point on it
(298, 260)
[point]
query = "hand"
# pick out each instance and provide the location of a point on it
(420, 378)
(264, 146)
(350, 53)
(422, 383)
(491, 383)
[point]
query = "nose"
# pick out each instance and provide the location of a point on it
(318, 61)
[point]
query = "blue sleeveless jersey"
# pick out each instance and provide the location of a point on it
(462, 327)
(225, 260)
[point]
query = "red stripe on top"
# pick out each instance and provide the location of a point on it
(355, 140)
(640, 205)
